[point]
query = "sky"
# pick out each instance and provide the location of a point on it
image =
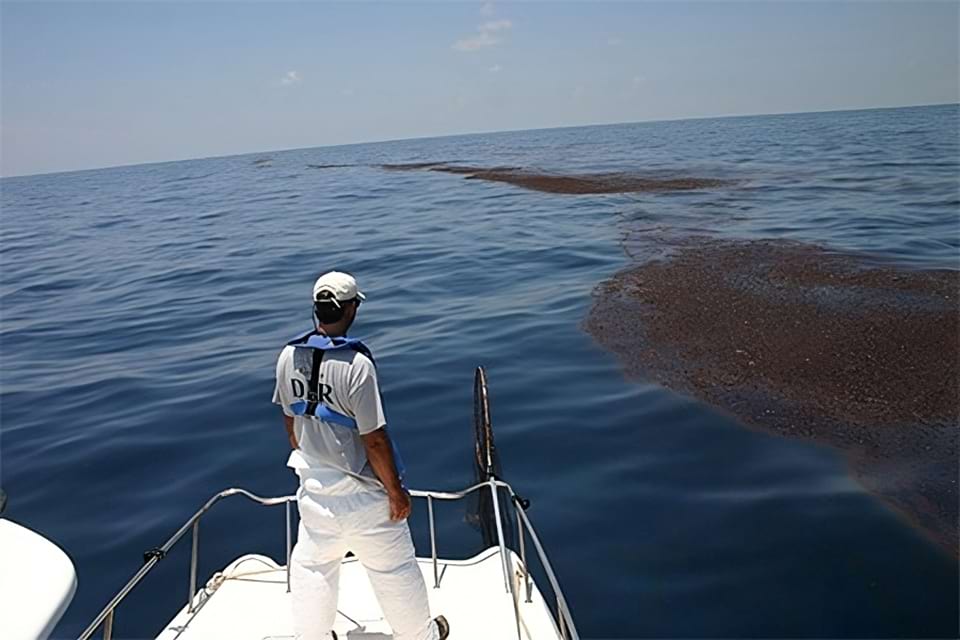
(89, 85)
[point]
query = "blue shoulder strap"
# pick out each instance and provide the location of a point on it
(316, 340)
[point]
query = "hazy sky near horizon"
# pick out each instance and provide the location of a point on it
(88, 85)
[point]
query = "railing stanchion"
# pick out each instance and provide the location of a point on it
(433, 543)
(193, 564)
(527, 595)
(563, 619)
(504, 558)
(563, 611)
(503, 549)
(289, 544)
(108, 627)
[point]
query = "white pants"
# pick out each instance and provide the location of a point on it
(329, 527)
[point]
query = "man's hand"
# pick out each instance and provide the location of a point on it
(400, 505)
(380, 455)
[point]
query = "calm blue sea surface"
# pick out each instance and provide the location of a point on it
(143, 308)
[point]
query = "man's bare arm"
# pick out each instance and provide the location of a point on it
(288, 424)
(380, 455)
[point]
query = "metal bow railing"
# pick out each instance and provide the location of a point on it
(563, 619)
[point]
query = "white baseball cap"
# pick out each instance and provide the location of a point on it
(341, 286)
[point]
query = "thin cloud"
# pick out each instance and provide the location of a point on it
(487, 36)
(487, 9)
(496, 25)
(495, 68)
(475, 42)
(614, 41)
(291, 77)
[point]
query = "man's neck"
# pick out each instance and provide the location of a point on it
(331, 330)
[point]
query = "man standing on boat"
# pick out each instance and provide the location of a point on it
(351, 495)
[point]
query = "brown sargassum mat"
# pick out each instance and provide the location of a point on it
(812, 344)
(548, 182)
(619, 182)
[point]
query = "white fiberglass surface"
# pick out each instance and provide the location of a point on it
(249, 600)
(37, 583)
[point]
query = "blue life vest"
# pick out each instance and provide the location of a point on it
(314, 406)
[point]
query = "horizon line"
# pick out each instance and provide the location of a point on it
(472, 133)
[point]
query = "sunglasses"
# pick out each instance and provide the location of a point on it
(336, 302)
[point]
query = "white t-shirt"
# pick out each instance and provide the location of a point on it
(331, 457)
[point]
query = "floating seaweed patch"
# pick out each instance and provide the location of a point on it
(329, 166)
(807, 343)
(582, 184)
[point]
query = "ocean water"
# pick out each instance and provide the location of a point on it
(143, 308)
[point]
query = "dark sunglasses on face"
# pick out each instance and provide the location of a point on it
(336, 302)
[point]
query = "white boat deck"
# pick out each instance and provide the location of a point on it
(249, 601)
